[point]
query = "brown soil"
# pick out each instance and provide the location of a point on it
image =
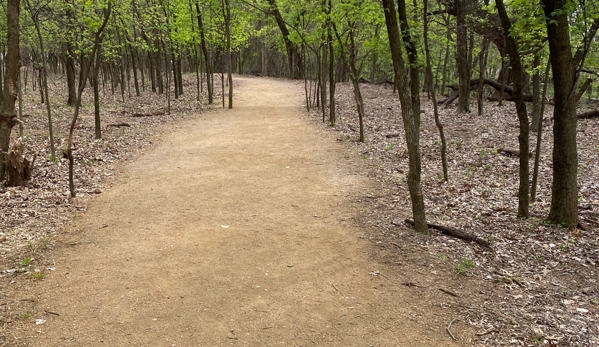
(235, 229)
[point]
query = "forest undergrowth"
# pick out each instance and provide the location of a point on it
(537, 285)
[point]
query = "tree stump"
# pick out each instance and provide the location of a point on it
(17, 167)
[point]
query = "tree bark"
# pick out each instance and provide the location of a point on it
(209, 77)
(462, 58)
(481, 82)
(431, 91)
(410, 113)
(134, 67)
(539, 131)
(70, 72)
(564, 189)
(323, 75)
(96, 87)
(9, 93)
(332, 115)
(518, 94)
(227, 15)
(536, 93)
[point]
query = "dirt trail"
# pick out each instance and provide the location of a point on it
(235, 230)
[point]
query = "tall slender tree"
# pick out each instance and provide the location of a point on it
(518, 95)
(410, 110)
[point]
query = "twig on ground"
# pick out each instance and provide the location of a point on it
(448, 292)
(410, 284)
(449, 329)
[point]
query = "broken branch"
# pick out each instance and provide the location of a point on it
(457, 233)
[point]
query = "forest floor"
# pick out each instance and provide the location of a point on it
(538, 284)
(260, 226)
(230, 227)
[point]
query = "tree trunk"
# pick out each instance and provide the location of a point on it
(481, 80)
(209, 76)
(227, 15)
(142, 67)
(332, 115)
(9, 93)
(134, 67)
(462, 58)
(20, 95)
(539, 131)
(70, 72)
(410, 113)
(518, 94)
(180, 73)
(264, 57)
(444, 79)
(158, 68)
(96, 87)
(564, 189)
(174, 68)
(503, 74)
(167, 68)
(431, 91)
(323, 77)
(151, 72)
(536, 93)
(40, 74)
(121, 70)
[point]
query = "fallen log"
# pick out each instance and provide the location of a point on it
(455, 93)
(474, 84)
(454, 232)
(588, 115)
(118, 125)
(511, 152)
(385, 82)
(527, 98)
(158, 113)
(451, 99)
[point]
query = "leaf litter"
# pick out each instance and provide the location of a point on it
(538, 286)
